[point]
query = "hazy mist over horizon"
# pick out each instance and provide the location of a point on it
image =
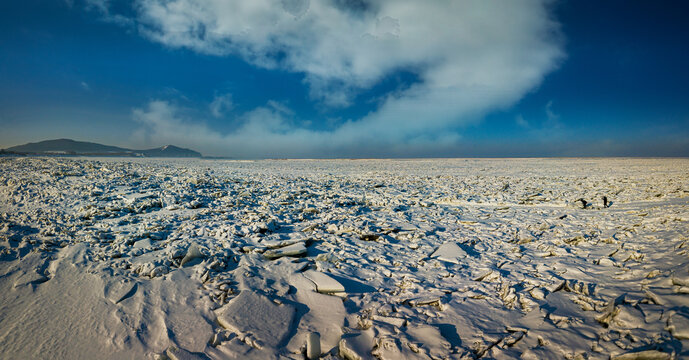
(349, 79)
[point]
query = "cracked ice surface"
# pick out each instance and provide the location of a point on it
(392, 259)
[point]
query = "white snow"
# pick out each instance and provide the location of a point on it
(455, 258)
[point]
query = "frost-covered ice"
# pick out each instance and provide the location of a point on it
(197, 259)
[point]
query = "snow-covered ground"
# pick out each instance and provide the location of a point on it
(151, 258)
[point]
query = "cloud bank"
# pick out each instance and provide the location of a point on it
(264, 132)
(470, 57)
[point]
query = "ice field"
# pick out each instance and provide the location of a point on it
(116, 258)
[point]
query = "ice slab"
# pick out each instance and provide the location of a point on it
(313, 346)
(276, 244)
(394, 321)
(175, 353)
(256, 315)
(324, 283)
(643, 355)
(450, 252)
(30, 277)
(357, 346)
(116, 290)
(142, 244)
(678, 325)
(192, 253)
(291, 250)
(326, 315)
(423, 300)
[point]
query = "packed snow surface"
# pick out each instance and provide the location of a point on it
(358, 259)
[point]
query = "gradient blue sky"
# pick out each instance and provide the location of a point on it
(344, 78)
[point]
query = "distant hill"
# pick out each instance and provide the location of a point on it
(169, 151)
(72, 147)
(66, 145)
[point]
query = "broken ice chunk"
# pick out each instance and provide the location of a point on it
(313, 346)
(643, 355)
(291, 250)
(653, 298)
(394, 321)
(357, 346)
(255, 315)
(537, 293)
(513, 338)
(450, 252)
(275, 244)
(264, 226)
(142, 244)
(118, 291)
(680, 281)
(605, 261)
(424, 300)
(332, 228)
(216, 339)
(30, 277)
(324, 283)
(194, 204)
(174, 353)
(488, 276)
(678, 325)
(192, 253)
(557, 286)
(619, 313)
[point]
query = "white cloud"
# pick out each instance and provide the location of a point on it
(221, 105)
(280, 107)
(552, 118)
(549, 113)
(267, 131)
(103, 8)
(521, 121)
(471, 57)
(454, 44)
(264, 132)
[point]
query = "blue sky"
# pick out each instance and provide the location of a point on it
(350, 78)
